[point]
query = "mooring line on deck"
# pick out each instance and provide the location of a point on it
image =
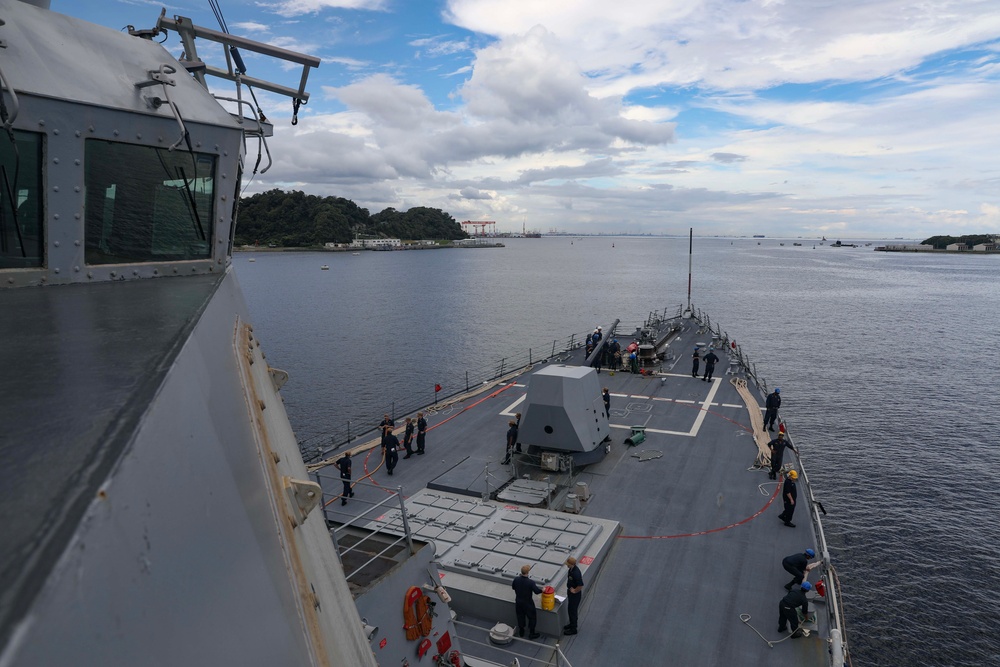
(469, 407)
(706, 532)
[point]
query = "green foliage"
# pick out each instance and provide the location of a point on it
(970, 240)
(295, 219)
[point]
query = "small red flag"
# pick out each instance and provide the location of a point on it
(437, 388)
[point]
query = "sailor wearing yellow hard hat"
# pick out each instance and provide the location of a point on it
(789, 494)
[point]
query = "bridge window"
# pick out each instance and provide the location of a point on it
(22, 238)
(147, 204)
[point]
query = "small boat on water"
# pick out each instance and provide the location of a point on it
(252, 260)
(325, 267)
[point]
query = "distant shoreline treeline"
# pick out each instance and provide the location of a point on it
(970, 240)
(295, 219)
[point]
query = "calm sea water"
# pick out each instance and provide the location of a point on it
(887, 365)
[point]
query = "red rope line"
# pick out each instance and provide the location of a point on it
(368, 475)
(713, 530)
(706, 532)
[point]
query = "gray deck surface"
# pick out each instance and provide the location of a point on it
(700, 544)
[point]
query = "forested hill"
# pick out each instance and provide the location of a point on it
(295, 219)
(942, 242)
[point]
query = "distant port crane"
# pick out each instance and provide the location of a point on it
(481, 226)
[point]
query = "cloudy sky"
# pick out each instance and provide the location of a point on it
(853, 118)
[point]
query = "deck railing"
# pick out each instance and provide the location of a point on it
(454, 382)
(372, 510)
(557, 658)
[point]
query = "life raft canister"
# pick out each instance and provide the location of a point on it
(821, 588)
(548, 598)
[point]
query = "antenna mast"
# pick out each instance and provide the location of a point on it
(687, 313)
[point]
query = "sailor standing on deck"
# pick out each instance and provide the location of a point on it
(343, 464)
(391, 450)
(695, 359)
(777, 447)
(524, 603)
(772, 404)
(574, 592)
(710, 360)
(386, 425)
(606, 395)
(421, 432)
(408, 437)
(788, 494)
(615, 355)
(787, 608)
(511, 440)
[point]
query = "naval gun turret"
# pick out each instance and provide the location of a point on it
(563, 419)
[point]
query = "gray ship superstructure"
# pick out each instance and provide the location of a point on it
(154, 508)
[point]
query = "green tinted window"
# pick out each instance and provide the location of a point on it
(22, 241)
(147, 204)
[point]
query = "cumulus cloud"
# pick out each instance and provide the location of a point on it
(474, 193)
(728, 158)
(300, 7)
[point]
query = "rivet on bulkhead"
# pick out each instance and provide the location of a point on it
(78, 133)
(55, 160)
(41, 123)
(76, 162)
(76, 189)
(138, 136)
(116, 133)
(76, 269)
(56, 270)
(56, 131)
(114, 274)
(55, 188)
(55, 216)
(56, 244)
(77, 243)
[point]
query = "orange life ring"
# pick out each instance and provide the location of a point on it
(416, 614)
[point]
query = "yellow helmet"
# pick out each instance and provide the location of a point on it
(793, 474)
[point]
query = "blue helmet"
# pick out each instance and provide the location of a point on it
(806, 586)
(810, 553)
(777, 390)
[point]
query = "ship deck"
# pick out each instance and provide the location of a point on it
(691, 566)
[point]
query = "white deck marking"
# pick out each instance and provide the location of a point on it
(707, 403)
(704, 406)
(652, 430)
(509, 410)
